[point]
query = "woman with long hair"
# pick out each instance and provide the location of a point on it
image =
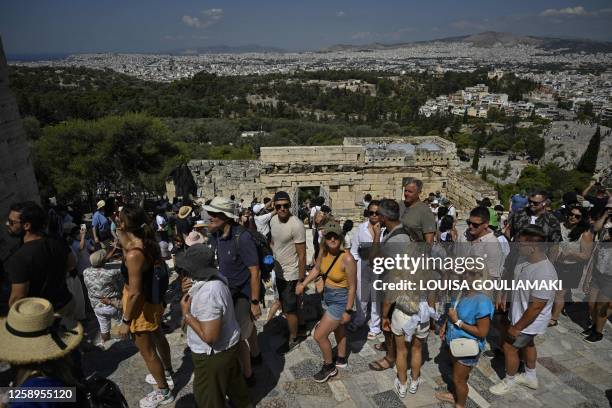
(574, 251)
(340, 276)
(141, 316)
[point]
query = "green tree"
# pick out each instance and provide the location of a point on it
(476, 159)
(483, 173)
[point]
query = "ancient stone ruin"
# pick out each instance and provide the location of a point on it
(343, 174)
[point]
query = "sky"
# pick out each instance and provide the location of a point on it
(72, 26)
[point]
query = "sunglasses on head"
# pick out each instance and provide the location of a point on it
(285, 206)
(373, 213)
(474, 224)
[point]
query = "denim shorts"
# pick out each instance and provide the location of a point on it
(335, 300)
(469, 361)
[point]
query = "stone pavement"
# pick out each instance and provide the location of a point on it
(572, 373)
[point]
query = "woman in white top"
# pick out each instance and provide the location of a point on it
(574, 251)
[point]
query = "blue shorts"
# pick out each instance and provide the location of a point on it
(469, 361)
(335, 300)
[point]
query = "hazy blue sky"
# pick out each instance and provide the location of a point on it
(48, 26)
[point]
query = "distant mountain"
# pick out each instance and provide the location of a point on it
(227, 49)
(492, 38)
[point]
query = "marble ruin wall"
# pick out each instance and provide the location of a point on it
(17, 181)
(344, 172)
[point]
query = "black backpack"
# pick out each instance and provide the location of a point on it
(264, 252)
(160, 282)
(100, 392)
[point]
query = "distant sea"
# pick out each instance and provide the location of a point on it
(35, 57)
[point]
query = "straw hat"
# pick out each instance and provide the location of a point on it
(200, 224)
(100, 204)
(193, 238)
(222, 205)
(184, 212)
(32, 333)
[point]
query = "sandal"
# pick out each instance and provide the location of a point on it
(553, 323)
(380, 346)
(372, 336)
(377, 366)
(445, 396)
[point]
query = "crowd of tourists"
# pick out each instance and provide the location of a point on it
(227, 254)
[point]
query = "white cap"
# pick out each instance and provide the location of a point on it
(257, 208)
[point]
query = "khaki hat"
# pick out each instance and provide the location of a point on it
(101, 204)
(32, 333)
(200, 224)
(184, 212)
(97, 258)
(332, 227)
(222, 205)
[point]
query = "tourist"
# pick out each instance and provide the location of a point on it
(319, 219)
(469, 318)
(263, 214)
(317, 203)
(365, 296)
(184, 223)
(499, 211)
(447, 231)
(289, 248)
(600, 295)
(574, 251)
(493, 217)
(239, 264)
(416, 215)
(40, 266)
(395, 241)
(518, 202)
(100, 225)
(141, 313)
(104, 291)
(347, 228)
(82, 247)
(38, 345)
(212, 332)
(530, 311)
(600, 199)
(337, 268)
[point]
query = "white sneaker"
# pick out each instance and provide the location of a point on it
(156, 398)
(502, 387)
(526, 381)
(400, 388)
(414, 385)
(151, 380)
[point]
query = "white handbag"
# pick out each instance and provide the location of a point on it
(463, 347)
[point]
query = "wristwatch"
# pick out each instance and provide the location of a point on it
(255, 302)
(349, 311)
(459, 323)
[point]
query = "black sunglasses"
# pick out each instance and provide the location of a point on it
(531, 202)
(576, 215)
(332, 235)
(372, 213)
(474, 224)
(285, 206)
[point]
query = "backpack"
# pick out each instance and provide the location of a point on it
(159, 282)
(100, 392)
(264, 252)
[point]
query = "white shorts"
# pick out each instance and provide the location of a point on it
(401, 323)
(104, 314)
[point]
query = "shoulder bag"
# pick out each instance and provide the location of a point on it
(463, 347)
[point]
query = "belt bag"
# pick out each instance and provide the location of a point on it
(463, 347)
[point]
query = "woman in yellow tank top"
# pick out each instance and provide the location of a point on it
(339, 270)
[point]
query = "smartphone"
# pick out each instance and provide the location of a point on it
(83, 227)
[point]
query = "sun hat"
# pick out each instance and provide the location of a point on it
(100, 204)
(193, 238)
(198, 262)
(200, 224)
(184, 212)
(97, 258)
(222, 205)
(32, 333)
(332, 228)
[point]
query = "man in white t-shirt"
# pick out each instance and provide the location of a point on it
(530, 310)
(289, 248)
(213, 333)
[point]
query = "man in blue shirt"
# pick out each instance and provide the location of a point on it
(239, 263)
(100, 224)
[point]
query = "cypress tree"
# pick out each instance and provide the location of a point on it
(588, 161)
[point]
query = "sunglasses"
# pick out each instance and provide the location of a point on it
(578, 216)
(373, 213)
(285, 206)
(474, 224)
(12, 222)
(531, 202)
(332, 236)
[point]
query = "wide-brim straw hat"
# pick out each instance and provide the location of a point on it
(32, 333)
(222, 205)
(100, 204)
(184, 211)
(193, 238)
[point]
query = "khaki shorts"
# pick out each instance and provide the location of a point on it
(400, 324)
(242, 309)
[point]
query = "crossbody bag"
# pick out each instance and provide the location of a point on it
(320, 281)
(463, 347)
